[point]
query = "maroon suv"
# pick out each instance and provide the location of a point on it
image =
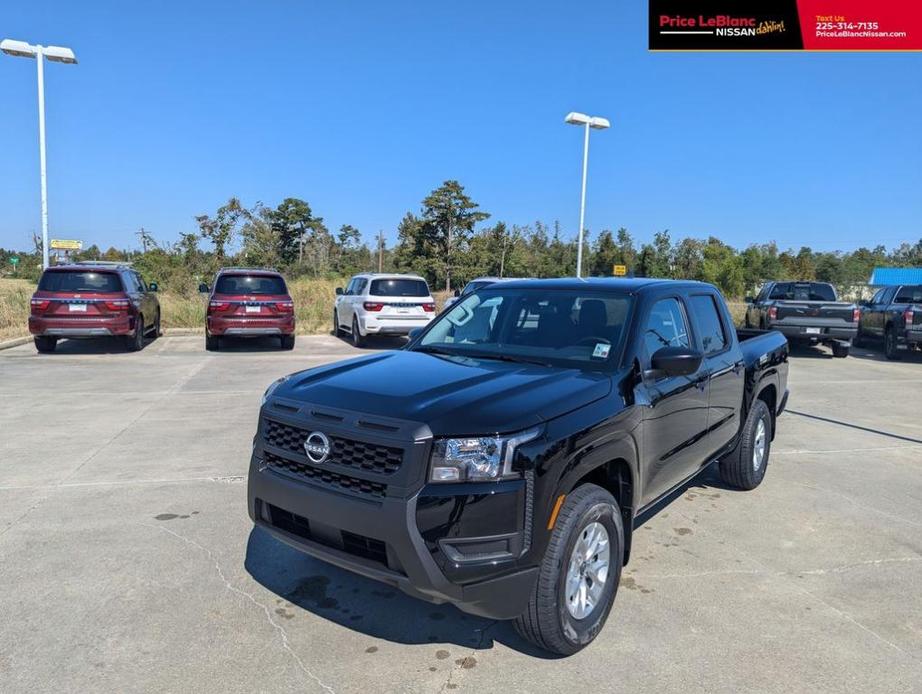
(93, 300)
(249, 302)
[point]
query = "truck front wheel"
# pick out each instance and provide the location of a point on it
(744, 468)
(579, 575)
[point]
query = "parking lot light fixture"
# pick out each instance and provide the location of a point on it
(596, 123)
(56, 54)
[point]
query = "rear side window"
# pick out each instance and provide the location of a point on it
(399, 287)
(666, 327)
(909, 295)
(803, 291)
(250, 284)
(707, 318)
(80, 281)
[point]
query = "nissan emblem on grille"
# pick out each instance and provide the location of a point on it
(317, 446)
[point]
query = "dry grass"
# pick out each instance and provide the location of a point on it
(313, 306)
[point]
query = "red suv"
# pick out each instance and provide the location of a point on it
(93, 299)
(249, 302)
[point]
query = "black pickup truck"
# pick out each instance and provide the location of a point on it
(894, 316)
(500, 460)
(808, 312)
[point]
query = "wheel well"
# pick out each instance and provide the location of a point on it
(769, 395)
(617, 479)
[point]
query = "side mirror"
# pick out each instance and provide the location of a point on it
(203, 288)
(676, 361)
(339, 291)
(414, 333)
(153, 286)
(750, 300)
(457, 293)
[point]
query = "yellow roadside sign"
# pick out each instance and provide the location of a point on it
(619, 270)
(66, 244)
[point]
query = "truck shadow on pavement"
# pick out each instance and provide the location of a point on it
(366, 606)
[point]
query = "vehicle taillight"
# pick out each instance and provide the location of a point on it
(856, 315)
(372, 306)
(772, 313)
(909, 316)
(284, 306)
(40, 304)
(117, 305)
(215, 306)
(428, 308)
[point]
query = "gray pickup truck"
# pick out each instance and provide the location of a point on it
(893, 316)
(806, 312)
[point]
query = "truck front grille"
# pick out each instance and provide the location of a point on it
(372, 457)
(327, 478)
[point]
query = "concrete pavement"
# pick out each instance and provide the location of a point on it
(128, 562)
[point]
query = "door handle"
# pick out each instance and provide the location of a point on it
(702, 382)
(737, 367)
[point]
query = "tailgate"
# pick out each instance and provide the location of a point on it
(815, 312)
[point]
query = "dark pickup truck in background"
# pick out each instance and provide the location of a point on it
(807, 312)
(500, 461)
(894, 316)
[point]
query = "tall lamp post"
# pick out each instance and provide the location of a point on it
(56, 54)
(587, 122)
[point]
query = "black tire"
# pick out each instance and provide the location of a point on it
(890, 344)
(135, 341)
(45, 344)
(357, 338)
(288, 342)
(212, 343)
(738, 469)
(547, 622)
(839, 350)
(157, 331)
(337, 331)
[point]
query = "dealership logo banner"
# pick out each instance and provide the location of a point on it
(817, 25)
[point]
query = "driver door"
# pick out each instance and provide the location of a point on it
(675, 408)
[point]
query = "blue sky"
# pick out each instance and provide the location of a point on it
(362, 108)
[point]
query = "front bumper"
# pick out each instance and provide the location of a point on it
(441, 543)
(80, 327)
(250, 327)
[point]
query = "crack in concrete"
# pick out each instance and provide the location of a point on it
(476, 649)
(227, 584)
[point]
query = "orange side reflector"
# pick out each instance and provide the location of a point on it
(557, 505)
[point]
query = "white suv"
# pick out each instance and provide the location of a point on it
(380, 304)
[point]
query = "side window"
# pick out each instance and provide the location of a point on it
(140, 281)
(350, 287)
(763, 295)
(878, 297)
(131, 282)
(360, 286)
(665, 327)
(707, 318)
(887, 298)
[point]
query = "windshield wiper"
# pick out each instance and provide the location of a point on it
(507, 357)
(432, 349)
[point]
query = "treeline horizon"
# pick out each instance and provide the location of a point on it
(449, 242)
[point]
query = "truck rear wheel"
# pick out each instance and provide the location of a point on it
(579, 575)
(840, 350)
(890, 345)
(744, 468)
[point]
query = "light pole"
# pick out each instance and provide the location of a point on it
(574, 118)
(56, 54)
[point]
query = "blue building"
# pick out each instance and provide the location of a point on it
(889, 276)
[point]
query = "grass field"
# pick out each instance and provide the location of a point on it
(313, 306)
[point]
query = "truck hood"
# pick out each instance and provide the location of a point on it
(452, 395)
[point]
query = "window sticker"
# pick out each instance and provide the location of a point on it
(601, 350)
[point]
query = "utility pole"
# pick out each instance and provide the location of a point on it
(143, 236)
(380, 250)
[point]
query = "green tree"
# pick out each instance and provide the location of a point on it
(220, 229)
(448, 219)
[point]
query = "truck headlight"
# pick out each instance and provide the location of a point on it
(476, 458)
(271, 389)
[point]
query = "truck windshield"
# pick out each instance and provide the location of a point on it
(803, 291)
(80, 281)
(250, 284)
(568, 328)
